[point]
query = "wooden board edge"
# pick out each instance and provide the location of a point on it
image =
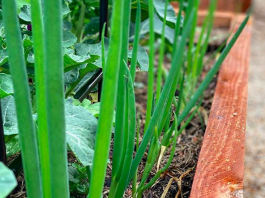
(220, 169)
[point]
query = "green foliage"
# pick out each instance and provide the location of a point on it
(6, 86)
(78, 179)
(8, 180)
(81, 128)
(60, 59)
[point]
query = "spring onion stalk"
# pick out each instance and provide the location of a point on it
(109, 90)
(150, 85)
(157, 175)
(103, 59)
(161, 56)
(175, 68)
(43, 140)
(151, 159)
(208, 23)
(178, 25)
(121, 130)
(134, 183)
(181, 89)
(211, 73)
(80, 23)
(55, 97)
(191, 39)
(136, 40)
(27, 136)
(131, 137)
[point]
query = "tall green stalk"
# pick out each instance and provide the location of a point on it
(121, 129)
(150, 85)
(109, 91)
(55, 97)
(136, 40)
(27, 136)
(211, 73)
(43, 140)
(161, 55)
(174, 71)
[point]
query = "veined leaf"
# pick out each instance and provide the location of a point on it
(12, 145)
(7, 182)
(25, 13)
(81, 129)
(21, 3)
(24, 10)
(69, 39)
(158, 25)
(171, 17)
(6, 86)
(9, 115)
(3, 56)
(142, 58)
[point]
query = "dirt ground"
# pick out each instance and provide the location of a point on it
(254, 182)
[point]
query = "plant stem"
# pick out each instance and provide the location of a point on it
(150, 84)
(161, 56)
(43, 140)
(80, 22)
(27, 136)
(109, 90)
(55, 97)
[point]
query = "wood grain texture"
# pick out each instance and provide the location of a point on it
(220, 168)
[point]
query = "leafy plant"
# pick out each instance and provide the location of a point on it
(57, 61)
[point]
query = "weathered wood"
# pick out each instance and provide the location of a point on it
(228, 5)
(220, 168)
(221, 19)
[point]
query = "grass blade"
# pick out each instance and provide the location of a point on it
(161, 56)
(27, 136)
(121, 130)
(174, 71)
(55, 97)
(211, 73)
(136, 40)
(43, 140)
(109, 90)
(150, 86)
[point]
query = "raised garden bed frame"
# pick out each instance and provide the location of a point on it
(220, 168)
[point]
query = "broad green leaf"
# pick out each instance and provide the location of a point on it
(142, 58)
(12, 145)
(25, 13)
(93, 26)
(81, 129)
(169, 32)
(9, 115)
(71, 76)
(171, 17)
(73, 174)
(7, 181)
(3, 56)
(6, 86)
(21, 3)
(92, 108)
(69, 39)
(24, 10)
(72, 61)
(65, 10)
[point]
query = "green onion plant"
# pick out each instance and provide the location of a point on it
(44, 150)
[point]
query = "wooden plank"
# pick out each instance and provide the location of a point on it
(220, 168)
(228, 5)
(221, 19)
